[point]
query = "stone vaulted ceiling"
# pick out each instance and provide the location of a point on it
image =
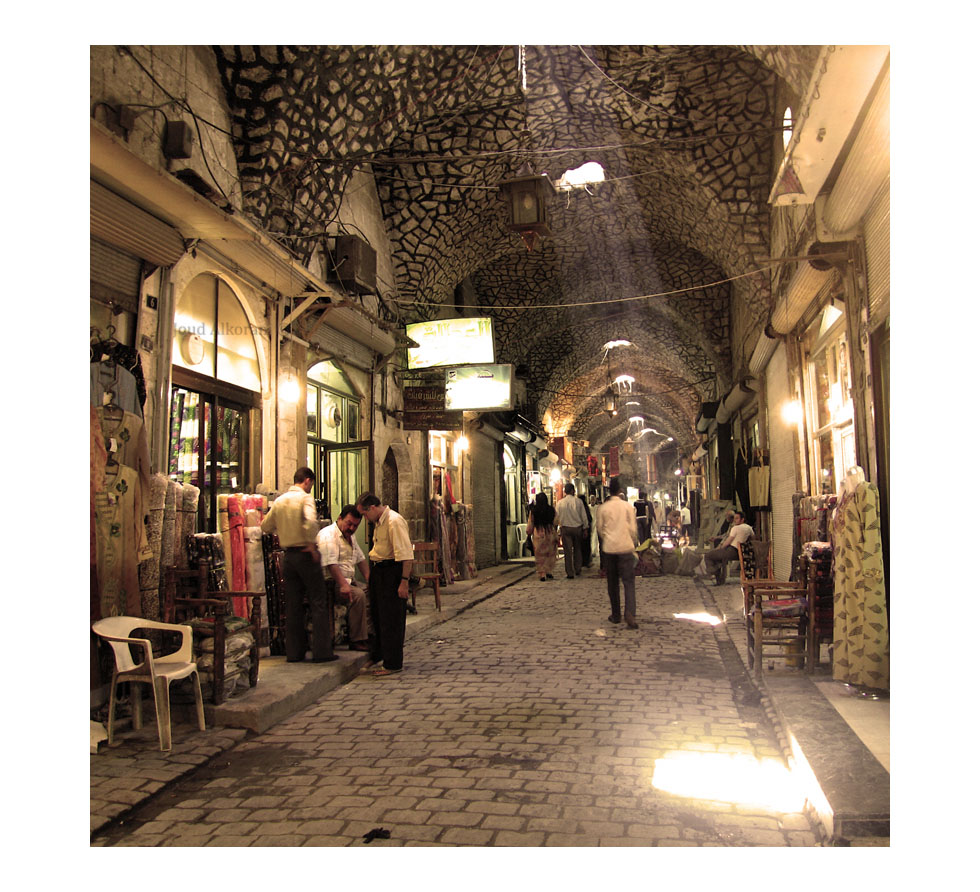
(659, 254)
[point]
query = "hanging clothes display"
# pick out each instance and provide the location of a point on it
(119, 480)
(861, 649)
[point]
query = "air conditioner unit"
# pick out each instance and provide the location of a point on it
(354, 264)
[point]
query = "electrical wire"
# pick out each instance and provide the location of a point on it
(602, 303)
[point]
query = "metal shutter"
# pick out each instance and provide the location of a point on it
(877, 245)
(486, 498)
(782, 464)
(114, 276)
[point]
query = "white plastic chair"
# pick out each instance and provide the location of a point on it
(157, 672)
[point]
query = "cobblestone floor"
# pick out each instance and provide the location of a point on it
(527, 720)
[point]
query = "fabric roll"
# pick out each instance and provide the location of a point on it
(149, 570)
(188, 522)
(168, 532)
(236, 529)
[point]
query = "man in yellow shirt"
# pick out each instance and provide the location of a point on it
(293, 518)
(391, 559)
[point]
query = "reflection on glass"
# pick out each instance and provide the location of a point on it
(237, 358)
(825, 464)
(311, 400)
(329, 418)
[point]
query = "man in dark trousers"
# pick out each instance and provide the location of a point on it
(391, 559)
(293, 518)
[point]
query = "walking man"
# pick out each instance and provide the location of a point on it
(340, 555)
(573, 522)
(616, 524)
(391, 568)
(293, 517)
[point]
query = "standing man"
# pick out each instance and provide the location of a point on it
(391, 568)
(573, 522)
(293, 517)
(616, 524)
(686, 523)
(339, 555)
(716, 560)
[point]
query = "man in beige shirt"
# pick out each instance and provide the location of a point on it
(391, 558)
(293, 518)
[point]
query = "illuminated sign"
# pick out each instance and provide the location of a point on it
(480, 387)
(450, 342)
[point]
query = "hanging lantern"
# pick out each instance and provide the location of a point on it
(527, 195)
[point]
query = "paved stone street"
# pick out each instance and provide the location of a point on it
(527, 720)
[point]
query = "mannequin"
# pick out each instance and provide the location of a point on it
(853, 478)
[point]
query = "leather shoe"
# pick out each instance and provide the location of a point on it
(631, 622)
(360, 645)
(614, 619)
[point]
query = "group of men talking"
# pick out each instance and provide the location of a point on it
(315, 559)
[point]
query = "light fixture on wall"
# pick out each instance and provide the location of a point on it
(289, 388)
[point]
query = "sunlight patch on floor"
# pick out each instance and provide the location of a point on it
(728, 777)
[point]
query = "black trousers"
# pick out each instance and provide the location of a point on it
(302, 577)
(388, 613)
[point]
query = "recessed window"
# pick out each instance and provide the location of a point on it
(588, 174)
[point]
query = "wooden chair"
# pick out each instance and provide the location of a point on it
(426, 568)
(777, 614)
(187, 598)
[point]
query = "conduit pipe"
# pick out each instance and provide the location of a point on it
(737, 397)
(802, 288)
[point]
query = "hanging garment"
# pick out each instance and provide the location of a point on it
(759, 486)
(112, 383)
(127, 358)
(125, 441)
(743, 487)
(861, 649)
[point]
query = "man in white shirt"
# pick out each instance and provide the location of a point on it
(616, 524)
(686, 523)
(340, 555)
(573, 522)
(293, 518)
(716, 560)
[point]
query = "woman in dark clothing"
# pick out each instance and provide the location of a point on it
(544, 536)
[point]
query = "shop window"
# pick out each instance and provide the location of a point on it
(333, 425)
(215, 398)
(210, 446)
(830, 408)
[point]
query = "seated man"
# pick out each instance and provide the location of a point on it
(716, 560)
(339, 555)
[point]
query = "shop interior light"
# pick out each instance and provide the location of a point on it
(792, 412)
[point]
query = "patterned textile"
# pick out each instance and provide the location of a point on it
(149, 570)
(186, 521)
(236, 536)
(275, 599)
(545, 540)
(208, 547)
(861, 649)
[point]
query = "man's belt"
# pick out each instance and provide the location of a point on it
(389, 563)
